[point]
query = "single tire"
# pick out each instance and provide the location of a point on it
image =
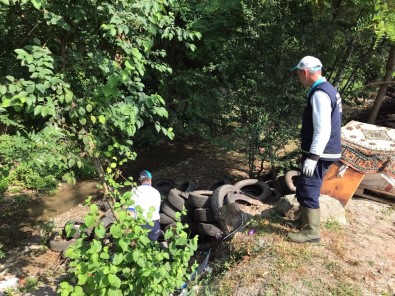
(168, 209)
(259, 189)
(165, 220)
(108, 219)
(275, 195)
(218, 197)
(176, 199)
(187, 186)
(271, 183)
(209, 229)
(204, 215)
(59, 246)
(291, 179)
(164, 185)
(200, 198)
(239, 197)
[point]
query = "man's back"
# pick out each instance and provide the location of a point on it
(146, 197)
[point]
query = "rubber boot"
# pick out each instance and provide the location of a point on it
(297, 223)
(310, 232)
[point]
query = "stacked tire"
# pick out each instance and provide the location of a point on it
(176, 201)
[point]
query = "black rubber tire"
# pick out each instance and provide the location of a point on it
(204, 215)
(275, 195)
(164, 185)
(108, 219)
(218, 198)
(291, 179)
(219, 183)
(209, 229)
(187, 186)
(59, 246)
(168, 209)
(176, 199)
(200, 198)
(259, 189)
(165, 219)
(271, 183)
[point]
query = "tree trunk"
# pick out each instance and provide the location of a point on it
(384, 87)
(100, 173)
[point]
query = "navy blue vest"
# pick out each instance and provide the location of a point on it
(334, 144)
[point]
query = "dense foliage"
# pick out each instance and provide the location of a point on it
(121, 260)
(76, 70)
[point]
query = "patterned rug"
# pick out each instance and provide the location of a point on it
(369, 148)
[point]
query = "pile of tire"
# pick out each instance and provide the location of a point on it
(203, 206)
(59, 241)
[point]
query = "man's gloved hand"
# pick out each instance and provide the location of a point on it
(309, 167)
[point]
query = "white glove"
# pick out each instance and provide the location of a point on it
(309, 167)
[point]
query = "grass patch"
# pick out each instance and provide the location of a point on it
(333, 225)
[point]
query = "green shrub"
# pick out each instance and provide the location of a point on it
(123, 261)
(4, 183)
(30, 179)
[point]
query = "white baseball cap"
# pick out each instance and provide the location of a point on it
(309, 63)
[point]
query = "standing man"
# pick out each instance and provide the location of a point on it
(148, 198)
(320, 143)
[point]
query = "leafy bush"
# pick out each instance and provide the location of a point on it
(4, 183)
(122, 260)
(30, 179)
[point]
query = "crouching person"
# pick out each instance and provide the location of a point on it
(147, 198)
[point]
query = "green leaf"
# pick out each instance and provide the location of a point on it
(102, 119)
(93, 119)
(71, 162)
(81, 111)
(100, 231)
(3, 89)
(89, 220)
(7, 2)
(114, 280)
(36, 3)
(89, 108)
(82, 279)
(118, 259)
(10, 78)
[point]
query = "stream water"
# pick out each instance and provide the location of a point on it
(17, 221)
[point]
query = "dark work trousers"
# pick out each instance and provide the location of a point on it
(155, 230)
(308, 188)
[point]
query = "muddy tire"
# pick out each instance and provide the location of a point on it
(165, 220)
(200, 198)
(209, 229)
(164, 185)
(187, 186)
(168, 209)
(60, 246)
(259, 189)
(218, 197)
(204, 215)
(108, 219)
(176, 199)
(291, 179)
